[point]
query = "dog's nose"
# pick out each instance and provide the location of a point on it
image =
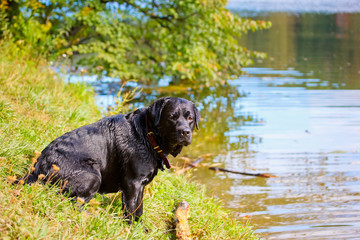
(185, 132)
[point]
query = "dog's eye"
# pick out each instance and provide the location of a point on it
(190, 118)
(172, 117)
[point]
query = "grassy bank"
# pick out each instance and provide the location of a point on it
(36, 107)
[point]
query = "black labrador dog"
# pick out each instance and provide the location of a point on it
(119, 153)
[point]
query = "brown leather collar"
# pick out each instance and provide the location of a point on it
(151, 137)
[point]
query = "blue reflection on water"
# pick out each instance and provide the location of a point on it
(296, 6)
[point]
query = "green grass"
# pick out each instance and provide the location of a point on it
(36, 106)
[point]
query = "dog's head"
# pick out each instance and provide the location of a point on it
(175, 119)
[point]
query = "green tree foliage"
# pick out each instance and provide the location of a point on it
(188, 41)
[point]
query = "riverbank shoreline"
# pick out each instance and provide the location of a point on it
(36, 106)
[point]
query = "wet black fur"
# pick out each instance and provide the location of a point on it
(114, 154)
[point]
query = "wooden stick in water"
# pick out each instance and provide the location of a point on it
(189, 166)
(243, 173)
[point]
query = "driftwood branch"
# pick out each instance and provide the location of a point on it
(182, 225)
(265, 175)
(189, 166)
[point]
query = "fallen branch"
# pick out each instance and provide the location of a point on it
(243, 173)
(194, 164)
(182, 225)
(189, 166)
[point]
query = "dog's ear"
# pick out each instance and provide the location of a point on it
(197, 117)
(156, 108)
(177, 150)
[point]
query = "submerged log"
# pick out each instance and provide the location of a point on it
(182, 225)
(265, 175)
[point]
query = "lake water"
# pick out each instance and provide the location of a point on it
(308, 99)
(295, 115)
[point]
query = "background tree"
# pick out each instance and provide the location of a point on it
(188, 41)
